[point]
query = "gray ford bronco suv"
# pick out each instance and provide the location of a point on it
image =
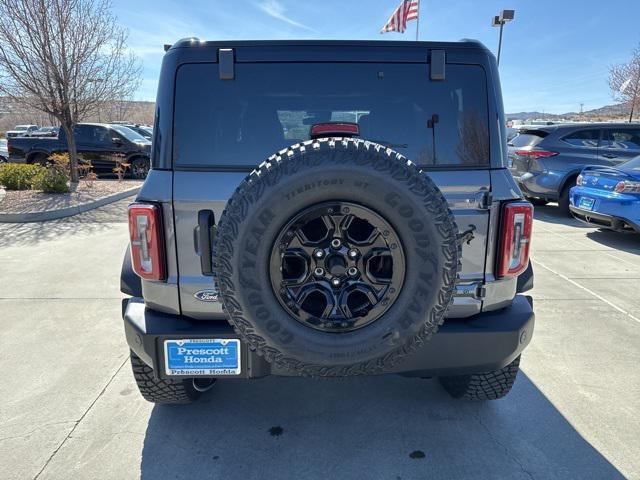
(328, 208)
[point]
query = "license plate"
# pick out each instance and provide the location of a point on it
(586, 203)
(195, 357)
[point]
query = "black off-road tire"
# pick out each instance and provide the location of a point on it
(162, 392)
(483, 386)
(313, 173)
(41, 159)
(563, 200)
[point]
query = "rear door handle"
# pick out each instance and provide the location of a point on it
(609, 155)
(206, 230)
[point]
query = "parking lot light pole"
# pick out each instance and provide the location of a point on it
(499, 21)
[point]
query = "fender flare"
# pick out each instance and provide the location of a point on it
(525, 280)
(32, 153)
(130, 283)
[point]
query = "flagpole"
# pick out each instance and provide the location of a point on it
(418, 21)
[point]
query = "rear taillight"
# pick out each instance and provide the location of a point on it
(147, 249)
(627, 187)
(516, 226)
(530, 152)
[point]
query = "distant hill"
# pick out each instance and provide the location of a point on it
(529, 115)
(612, 110)
(603, 113)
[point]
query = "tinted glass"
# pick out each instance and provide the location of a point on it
(129, 134)
(84, 133)
(92, 134)
(525, 140)
(270, 106)
(583, 138)
(633, 164)
(626, 139)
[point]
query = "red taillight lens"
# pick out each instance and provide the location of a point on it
(147, 249)
(333, 129)
(516, 226)
(627, 186)
(535, 153)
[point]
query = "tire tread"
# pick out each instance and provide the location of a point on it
(291, 160)
(483, 386)
(164, 392)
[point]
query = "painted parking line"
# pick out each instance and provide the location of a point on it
(583, 241)
(591, 292)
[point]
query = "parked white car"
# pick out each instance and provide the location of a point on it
(21, 130)
(4, 150)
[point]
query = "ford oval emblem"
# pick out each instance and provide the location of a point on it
(210, 295)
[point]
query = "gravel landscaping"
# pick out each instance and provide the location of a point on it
(26, 201)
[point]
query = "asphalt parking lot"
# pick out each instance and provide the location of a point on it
(70, 408)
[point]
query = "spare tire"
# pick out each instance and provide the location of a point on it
(336, 257)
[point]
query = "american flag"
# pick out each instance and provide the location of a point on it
(407, 10)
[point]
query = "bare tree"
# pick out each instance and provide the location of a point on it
(624, 81)
(65, 58)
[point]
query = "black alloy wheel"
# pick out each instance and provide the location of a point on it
(337, 266)
(140, 168)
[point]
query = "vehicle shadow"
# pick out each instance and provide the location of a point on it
(625, 241)
(93, 221)
(552, 214)
(372, 427)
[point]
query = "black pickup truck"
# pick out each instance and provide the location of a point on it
(103, 145)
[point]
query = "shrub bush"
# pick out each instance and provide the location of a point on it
(18, 176)
(59, 161)
(50, 180)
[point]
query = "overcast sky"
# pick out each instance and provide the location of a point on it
(555, 53)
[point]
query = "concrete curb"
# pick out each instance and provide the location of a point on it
(47, 215)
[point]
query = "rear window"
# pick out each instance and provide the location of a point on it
(527, 138)
(240, 122)
(633, 164)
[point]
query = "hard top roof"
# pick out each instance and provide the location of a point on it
(194, 42)
(194, 49)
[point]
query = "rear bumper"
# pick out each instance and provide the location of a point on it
(538, 185)
(485, 342)
(603, 220)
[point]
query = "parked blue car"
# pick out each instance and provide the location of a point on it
(608, 197)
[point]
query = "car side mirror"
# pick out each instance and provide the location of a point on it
(116, 140)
